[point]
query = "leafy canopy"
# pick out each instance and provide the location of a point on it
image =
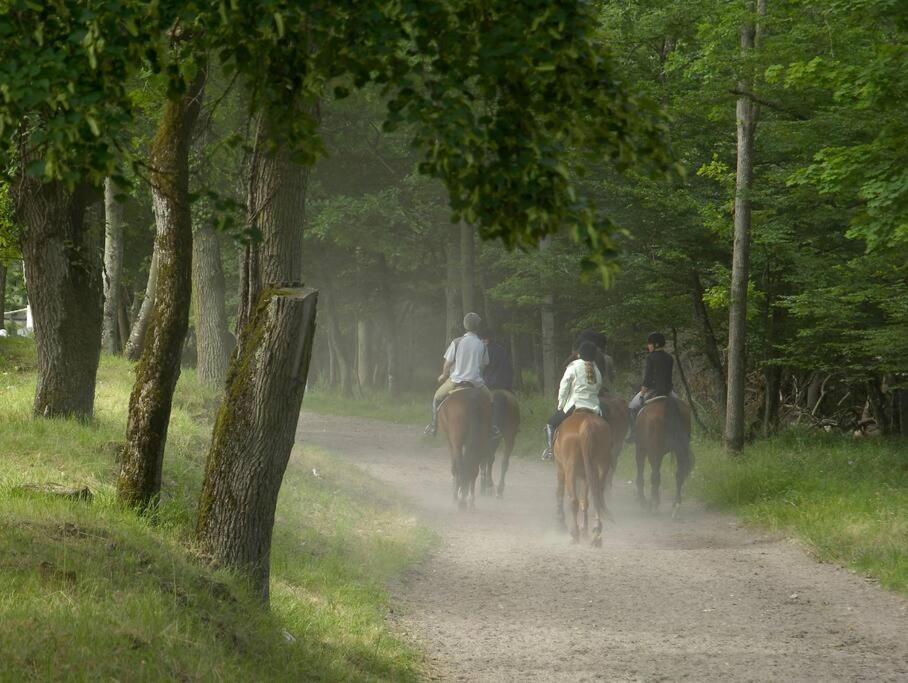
(506, 100)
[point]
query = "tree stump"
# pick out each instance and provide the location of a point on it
(255, 431)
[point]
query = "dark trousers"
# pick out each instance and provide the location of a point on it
(560, 416)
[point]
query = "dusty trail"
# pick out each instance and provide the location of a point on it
(507, 598)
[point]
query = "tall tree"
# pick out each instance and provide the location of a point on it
(213, 338)
(467, 267)
(114, 221)
(139, 481)
(747, 111)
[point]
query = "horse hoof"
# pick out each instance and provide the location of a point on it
(676, 512)
(499, 494)
(596, 542)
(462, 504)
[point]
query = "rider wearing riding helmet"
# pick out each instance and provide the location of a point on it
(579, 389)
(657, 377)
(464, 362)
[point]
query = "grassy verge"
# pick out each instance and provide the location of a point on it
(92, 592)
(848, 501)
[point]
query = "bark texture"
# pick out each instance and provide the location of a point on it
(2, 295)
(467, 268)
(140, 327)
(254, 433)
(62, 258)
(363, 352)
(139, 483)
(276, 201)
(213, 339)
(114, 221)
(710, 345)
(453, 303)
(746, 115)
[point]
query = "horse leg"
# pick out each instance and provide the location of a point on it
(681, 474)
(641, 461)
(505, 461)
(559, 499)
(575, 504)
(655, 481)
(584, 499)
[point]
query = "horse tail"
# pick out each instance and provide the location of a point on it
(679, 438)
(587, 448)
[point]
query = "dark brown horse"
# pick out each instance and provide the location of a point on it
(507, 416)
(583, 452)
(466, 419)
(663, 426)
(618, 416)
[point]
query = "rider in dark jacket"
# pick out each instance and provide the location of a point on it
(657, 377)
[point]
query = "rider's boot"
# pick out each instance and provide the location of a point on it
(432, 428)
(632, 432)
(549, 453)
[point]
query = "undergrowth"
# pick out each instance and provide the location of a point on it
(848, 501)
(93, 592)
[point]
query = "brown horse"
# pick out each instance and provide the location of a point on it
(506, 411)
(663, 425)
(618, 416)
(466, 419)
(583, 451)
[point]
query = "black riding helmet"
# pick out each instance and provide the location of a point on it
(657, 339)
(588, 351)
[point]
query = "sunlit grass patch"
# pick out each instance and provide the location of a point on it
(92, 592)
(848, 501)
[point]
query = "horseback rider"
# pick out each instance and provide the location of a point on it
(657, 378)
(498, 374)
(463, 365)
(603, 361)
(579, 388)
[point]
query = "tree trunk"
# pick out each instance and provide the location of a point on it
(710, 345)
(276, 206)
(139, 483)
(114, 221)
(363, 353)
(515, 363)
(902, 405)
(467, 267)
(61, 253)
(254, 434)
(136, 342)
(549, 361)
(2, 295)
(123, 315)
(746, 114)
(213, 339)
(453, 314)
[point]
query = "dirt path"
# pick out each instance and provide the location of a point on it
(507, 598)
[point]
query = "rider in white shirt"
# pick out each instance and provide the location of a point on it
(579, 388)
(463, 363)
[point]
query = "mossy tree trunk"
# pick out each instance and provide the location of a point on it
(213, 339)
(276, 205)
(62, 261)
(136, 341)
(255, 431)
(139, 483)
(114, 221)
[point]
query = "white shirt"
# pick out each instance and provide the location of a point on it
(469, 356)
(576, 390)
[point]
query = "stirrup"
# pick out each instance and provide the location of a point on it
(430, 430)
(547, 455)
(496, 433)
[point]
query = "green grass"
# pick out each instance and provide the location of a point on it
(848, 501)
(92, 592)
